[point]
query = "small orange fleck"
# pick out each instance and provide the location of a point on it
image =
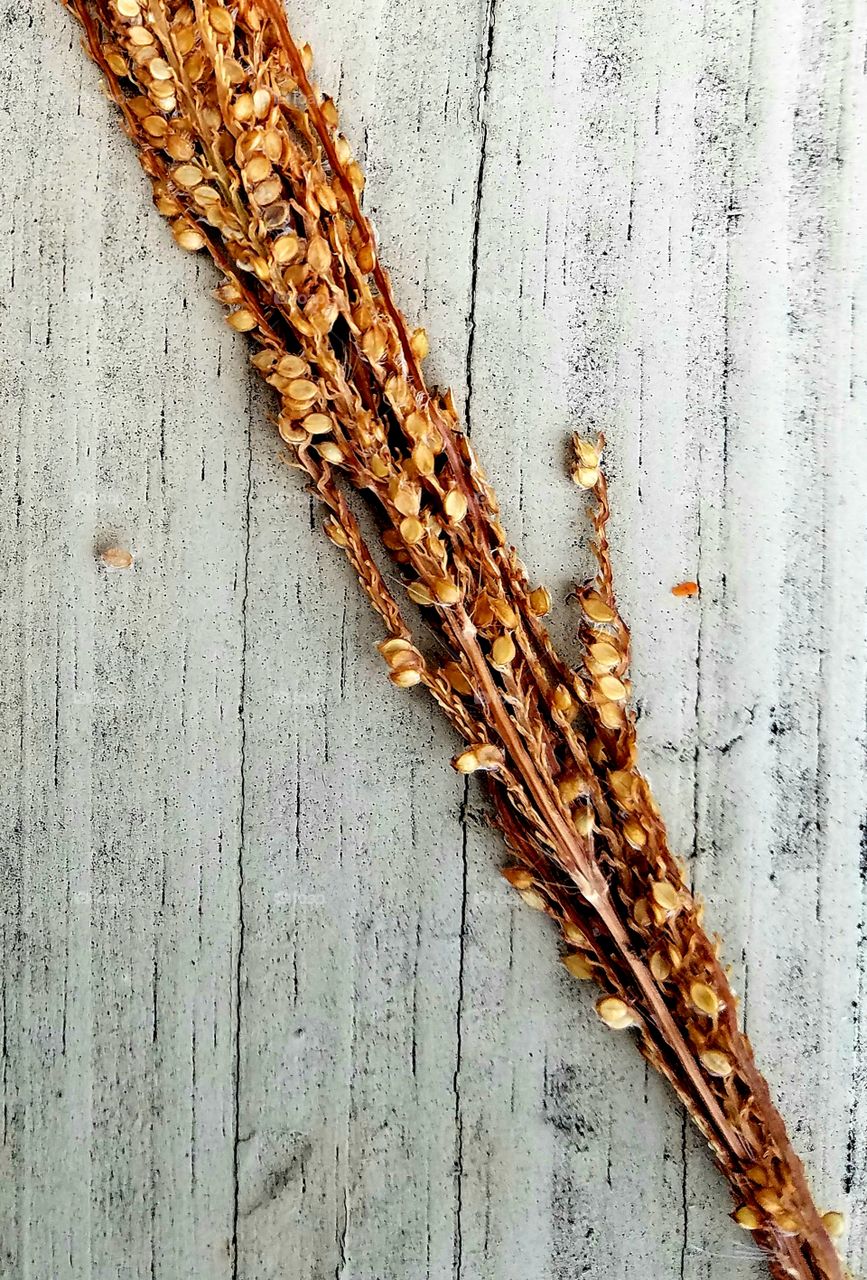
(685, 590)
(116, 558)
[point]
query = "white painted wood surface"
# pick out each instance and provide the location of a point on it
(267, 1010)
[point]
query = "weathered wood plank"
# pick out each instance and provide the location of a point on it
(267, 1009)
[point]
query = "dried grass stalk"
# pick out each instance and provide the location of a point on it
(248, 162)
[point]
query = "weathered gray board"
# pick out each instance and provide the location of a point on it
(267, 1009)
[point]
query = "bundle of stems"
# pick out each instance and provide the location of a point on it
(248, 162)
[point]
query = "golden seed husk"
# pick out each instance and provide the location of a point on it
(578, 965)
(330, 452)
(612, 688)
(411, 530)
(518, 877)
(455, 505)
(318, 424)
(747, 1218)
(503, 651)
(457, 679)
(596, 608)
(242, 321)
(405, 678)
(660, 967)
(575, 934)
(586, 477)
(584, 821)
(446, 591)
(768, 1199)
(705, 999)
(419, 593)
(615, 1013)
(319, 254)
(533, 899)
(301, 390)
(128, 8)
(466, 762)
(116, 558)
(835, 1223)
(604, 655)
(188, 175)
(540, 601)
(285, 249)
(717, 1063)
(571, 788)
(665, 895)
(635, 833)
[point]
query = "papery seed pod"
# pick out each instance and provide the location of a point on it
(405, 677)
(336, 533)
(747, 1218)
(835, 1224)
(584, 821)
(586, 477)
(318, 424)
(660, 966)
(596, 608)
(571, 788)
(503, 651)
(705, 999)
(616, 1013)
(540, 601)
(534, 899)
(242, 321)
(419, 593)
(578, 965)
(419, 344)
(482, 757)
(456, 678)
(518, 877)
(634, 833)
(446, 591)
(117, 558)
(455, 505)
(330, 452)
(411, 530)
(717, 1063)
(575, 934)
(665, 895)
(504, 613)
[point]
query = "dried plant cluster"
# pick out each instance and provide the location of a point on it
(248, 162)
